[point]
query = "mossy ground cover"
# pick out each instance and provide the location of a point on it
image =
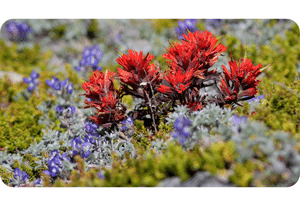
(154, 157)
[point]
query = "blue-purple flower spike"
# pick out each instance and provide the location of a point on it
(182, 130)
(17, 173)
(25, 177)
(70, 88)
(185, 26)
(127, 123)
(238, 120)
(59, 109)
(18, 30)
(32, 80)
(90, 57)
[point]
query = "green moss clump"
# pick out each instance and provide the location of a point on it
(5, 175)
(243, 174)
(219, 156)
(22, 61)
(149, 169)
(58, 32)
(281, 107)
(142, 138)
(18, 125)
(8, 91)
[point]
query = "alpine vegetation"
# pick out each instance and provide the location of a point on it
(144, 119)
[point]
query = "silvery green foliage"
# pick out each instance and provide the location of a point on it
(22, 94)
(200, 179)
(45, 107)
(254, 141)
(50, 141)
(180, 110)
(36, 149)
(254, 31)
(7, 160)
(159, 144)
(210, 119)
(213, 115)
(120, 146)
(101, 150)
(251, 134)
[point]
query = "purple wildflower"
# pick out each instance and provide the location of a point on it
(90, 57)
(32, 80)
(185, 26)
(182, 130)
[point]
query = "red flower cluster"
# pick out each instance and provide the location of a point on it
(104, 98)
(189, 62)
(197, 51)
(138, 74)
(179, 81)
(243, 81)
(188, 74)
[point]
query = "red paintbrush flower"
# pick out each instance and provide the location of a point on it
(182, 56)
(229, 94)
(195, 106)
(206, 46)
(198, 51)
(109, 109)
(99, 85)
(241, 83)
(137, 72)
(246, 73)
(177, 80)
(103, 97)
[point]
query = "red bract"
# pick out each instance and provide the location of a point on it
(189, 62)
(104, 99)
(109, 109)
(177, 80)
(99, 84)
(198, 51)
(246, 73)
(207, 50)
(137, 72)
(182, 56)
(241, 83)
(195, 106)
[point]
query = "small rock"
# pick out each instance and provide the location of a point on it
(12, 76)
(197, 179)
(170, 182)
(212, 182)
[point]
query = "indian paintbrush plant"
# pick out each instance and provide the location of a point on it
(184, 83)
